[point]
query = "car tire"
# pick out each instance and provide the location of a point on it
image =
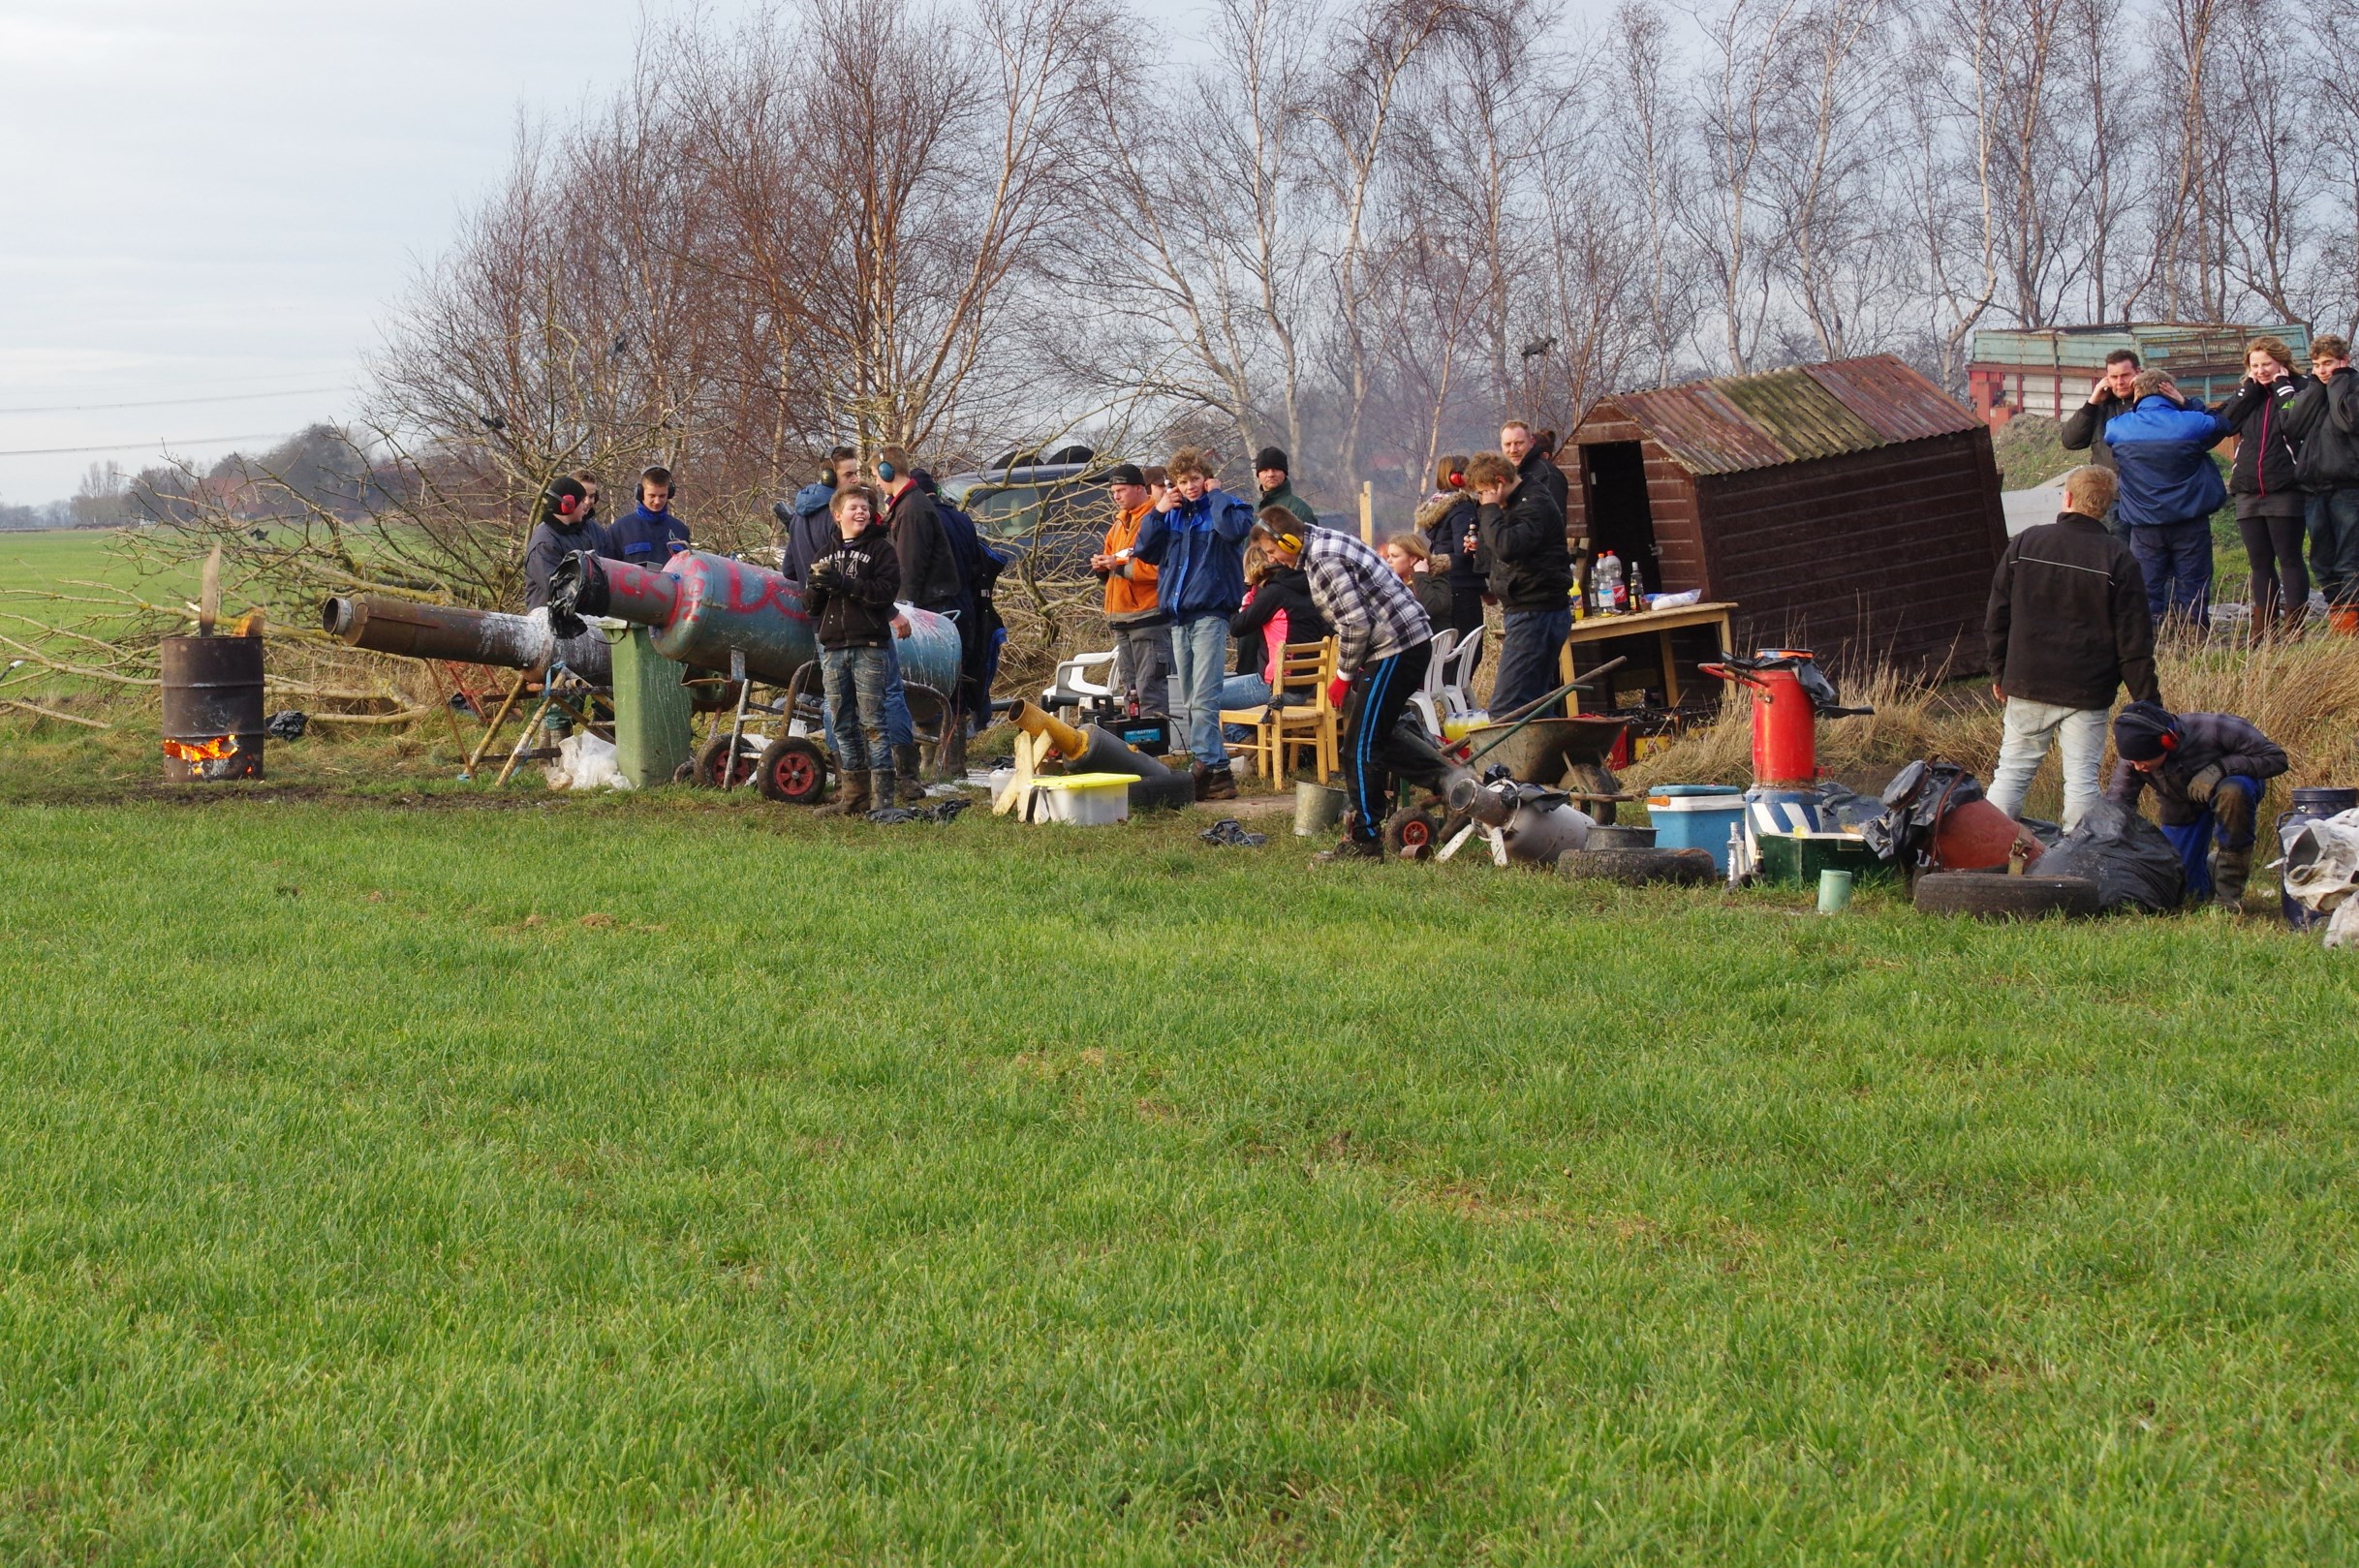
(1996, 896)
(1641, 868)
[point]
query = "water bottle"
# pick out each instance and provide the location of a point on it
(1607, 575)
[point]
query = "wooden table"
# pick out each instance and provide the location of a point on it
(1658, 623)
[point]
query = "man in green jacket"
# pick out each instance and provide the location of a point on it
(1277, 488)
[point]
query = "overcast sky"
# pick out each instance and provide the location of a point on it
(216, 200)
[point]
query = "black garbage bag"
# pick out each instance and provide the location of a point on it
(1916, 801)
(2133, 864)
(287, 726)
(1844, 808)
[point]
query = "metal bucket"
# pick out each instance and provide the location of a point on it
(1317, 808)
(1606, 836)
(213, 708)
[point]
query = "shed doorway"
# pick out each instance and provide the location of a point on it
(1620, 520)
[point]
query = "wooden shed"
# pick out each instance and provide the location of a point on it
(1850, 508)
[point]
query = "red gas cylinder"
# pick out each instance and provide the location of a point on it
(1784, 727)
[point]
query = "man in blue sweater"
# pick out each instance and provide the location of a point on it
(2170, 487)
(651, 534)
(1195, 536)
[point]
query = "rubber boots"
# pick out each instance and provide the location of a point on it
(1215, 782)
(851, 798)
(913, 780)
(885, 788)
(2231, 869)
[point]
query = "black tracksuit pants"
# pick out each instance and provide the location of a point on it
(1374, 745)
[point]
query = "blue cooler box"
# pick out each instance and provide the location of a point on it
(1695, 817)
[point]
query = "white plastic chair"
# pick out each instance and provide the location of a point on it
(1071, 690)
(1428, 698)
(1453, 695)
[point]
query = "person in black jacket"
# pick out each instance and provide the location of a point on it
(929, 580)
(562, 528)
(2271, 418)
(1532, 576)
(2067, 629)
(1535, 459)
(2329, 471)
(652, 533)
(1450, 521)
(2083, 430)
(2209, 772)
(1276, 587)
(848, 594)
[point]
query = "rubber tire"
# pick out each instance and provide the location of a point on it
(1641, 868)
(1412, 833)
(1173, 795)
(1996, 896)
(1593, 779)
(709, 763)
(793, 771)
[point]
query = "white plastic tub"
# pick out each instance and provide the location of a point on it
(1085, 799)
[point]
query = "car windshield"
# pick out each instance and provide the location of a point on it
(1005, 514)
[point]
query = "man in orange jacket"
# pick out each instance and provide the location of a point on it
(1143, 630)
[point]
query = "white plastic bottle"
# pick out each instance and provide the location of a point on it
(1605, 576)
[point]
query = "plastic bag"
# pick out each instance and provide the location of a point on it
(2133, 864)
(1916, 801)
(586, 762)
(2322, 863)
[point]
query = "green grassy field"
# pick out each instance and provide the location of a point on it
(644, 1182)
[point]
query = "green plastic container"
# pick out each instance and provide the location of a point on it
(654, 714)
(1799, 857)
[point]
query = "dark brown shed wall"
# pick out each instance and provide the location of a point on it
(1883, 554)
(1670, 497)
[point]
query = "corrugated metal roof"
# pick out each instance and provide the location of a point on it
(1732, 423)
(2169, 344)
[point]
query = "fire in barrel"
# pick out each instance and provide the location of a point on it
(213, 708)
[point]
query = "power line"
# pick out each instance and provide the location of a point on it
(179, 402)
(119, 445)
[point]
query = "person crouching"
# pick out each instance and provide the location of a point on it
(1383, 646)
(2208, 772)
(850, 595)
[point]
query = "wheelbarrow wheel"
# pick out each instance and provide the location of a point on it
(712, 773)
(1593, 779)
(793, 771)
(1412, 833)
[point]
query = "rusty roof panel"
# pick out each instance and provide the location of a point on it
(1734, 423)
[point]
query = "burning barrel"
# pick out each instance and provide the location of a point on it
(213, 708)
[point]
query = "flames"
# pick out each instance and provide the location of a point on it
(212, 750)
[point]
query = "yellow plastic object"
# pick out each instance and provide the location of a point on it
(1458, 726)
(1087, 799)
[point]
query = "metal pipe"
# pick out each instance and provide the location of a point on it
(1095, 750)
(412, 630)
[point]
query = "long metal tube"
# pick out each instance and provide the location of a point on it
(463, 635)
(700, 607)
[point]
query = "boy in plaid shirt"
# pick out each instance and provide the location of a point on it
(1385, 644)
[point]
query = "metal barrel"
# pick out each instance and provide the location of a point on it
(213, 708)
(702, 607)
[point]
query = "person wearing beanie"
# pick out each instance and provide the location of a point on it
(2208, 772)
(1143, 630)
(1271, 472)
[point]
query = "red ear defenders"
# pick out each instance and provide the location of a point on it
(567, 506)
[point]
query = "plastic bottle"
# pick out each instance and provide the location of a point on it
(1607, 574)
(1130, 702)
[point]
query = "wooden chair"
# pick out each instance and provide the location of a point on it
(1312, 724)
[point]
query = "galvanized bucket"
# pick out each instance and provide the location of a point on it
(1317, 808)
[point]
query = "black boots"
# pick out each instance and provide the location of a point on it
(852, 797)
(1215, 782)
(913, 783)
(2231, 869)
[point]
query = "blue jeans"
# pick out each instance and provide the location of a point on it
(1528, 657)
(2235, 810)
(854, 679)
(1242, 692)
(2177, 560)
(2333, 521)
(898, 729)
(1199, 661)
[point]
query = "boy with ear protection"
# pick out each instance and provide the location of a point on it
(651, 533)
(562, 528)
(2209, 772)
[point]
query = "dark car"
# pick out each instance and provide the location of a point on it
(1051, 507)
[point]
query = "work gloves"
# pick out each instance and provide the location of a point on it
(1337, 690)
(2199, 788)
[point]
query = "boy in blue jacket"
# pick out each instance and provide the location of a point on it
(1195, 536)
(2170, 487)
(651, 534)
